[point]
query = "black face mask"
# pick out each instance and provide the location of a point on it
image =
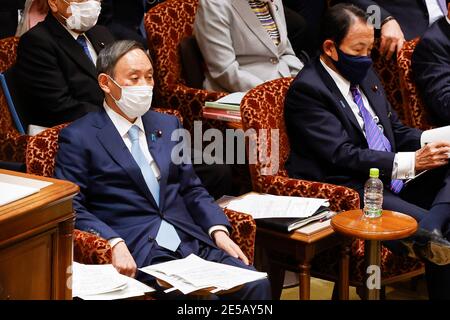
(352, 68)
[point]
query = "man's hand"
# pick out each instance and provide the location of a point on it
(432, 155)
(392, 39)
(224, 242)
(123, 261)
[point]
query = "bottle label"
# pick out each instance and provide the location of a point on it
(372, 212)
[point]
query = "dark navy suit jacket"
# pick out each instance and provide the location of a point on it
(411, 15)
(431, 68)
(114, 200)
(327, 143)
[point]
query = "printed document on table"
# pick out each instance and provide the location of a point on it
(232, 98)
(194, 272)
(269, 206)
(434, 135)
(14, 188)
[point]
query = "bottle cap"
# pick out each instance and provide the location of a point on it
(374, 173)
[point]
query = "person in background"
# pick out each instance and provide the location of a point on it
(150, 209)
(340, 125)
(244, 43)
(54, 78)
(402, 20)
(9, 17)
(34, 12)
(431, 70)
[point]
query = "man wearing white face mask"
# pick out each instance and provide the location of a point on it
(54, 79)
(149, 208)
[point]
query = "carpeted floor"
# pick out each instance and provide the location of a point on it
(322, 290)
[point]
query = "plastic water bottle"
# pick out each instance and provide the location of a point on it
(373, 195)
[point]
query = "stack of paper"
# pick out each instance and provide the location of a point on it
(103, 282)
(226, 108)
(194, 273)
(13, 188)
(261, 206)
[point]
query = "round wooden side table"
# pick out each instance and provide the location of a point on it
(390, 226)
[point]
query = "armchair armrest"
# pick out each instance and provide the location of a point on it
(341, 198)
(244, 232)
(89, 248)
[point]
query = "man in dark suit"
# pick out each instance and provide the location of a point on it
(124, 18)
(402, 19)
(54, 79)
(132, 192)
(340, 125)
(431, 69)
(9, 13)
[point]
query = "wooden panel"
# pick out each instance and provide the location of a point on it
(26, 268)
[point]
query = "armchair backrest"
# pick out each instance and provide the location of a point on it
(262, 108)
(413, 107)
(12, 144)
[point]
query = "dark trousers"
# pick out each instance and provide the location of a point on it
(256, 290)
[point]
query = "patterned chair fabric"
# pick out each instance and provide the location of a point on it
(413, 107)
(263, 108)
(12, 144)
(88, 248)
(167, 24)
(388, 71)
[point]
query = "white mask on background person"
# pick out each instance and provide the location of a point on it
(84, 15)
(135, 101)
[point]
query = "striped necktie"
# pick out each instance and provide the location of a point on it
(375, 137)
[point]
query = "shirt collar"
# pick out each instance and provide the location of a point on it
(342, 83)
(448, 20)
(122, 125)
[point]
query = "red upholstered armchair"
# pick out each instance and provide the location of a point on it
(263, 108)
(91, 249)
(413, 107)
(167, 24)
(12, 143)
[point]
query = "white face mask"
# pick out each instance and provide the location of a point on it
(84, 15)
(135, 101)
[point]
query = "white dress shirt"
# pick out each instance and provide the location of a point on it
(123, 126)
(404, 162)
(88, 42)
(434, 10)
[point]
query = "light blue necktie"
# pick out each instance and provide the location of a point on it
(375, 137)
(167, 236)
(82, 41)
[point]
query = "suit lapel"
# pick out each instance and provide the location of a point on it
(156, 148)
(114, 145)
(70, 45)
(340, 100)
(251, 20)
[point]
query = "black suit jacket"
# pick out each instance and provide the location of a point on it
(327, 143)
(431, 69)
(53, 80)
(412, 15)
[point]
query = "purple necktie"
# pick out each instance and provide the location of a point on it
(375, 137)
(443, 5)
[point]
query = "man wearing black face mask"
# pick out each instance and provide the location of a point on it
(340, 125)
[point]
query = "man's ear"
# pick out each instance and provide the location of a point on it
(329, 48)
(52, 5)
(103, 80)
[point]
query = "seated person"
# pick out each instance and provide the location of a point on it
(125, 18)
(54, 76)
(34, 12)
(402, 19)
(340, 125)
(131, 193)
(244, 43)
(431, 69)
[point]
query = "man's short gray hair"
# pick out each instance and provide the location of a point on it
(111, 54)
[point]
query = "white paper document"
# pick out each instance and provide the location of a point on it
(14, 188)
(434, 135)
(103, 282)
(269, 206)
(193, 273)
(232, 98)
